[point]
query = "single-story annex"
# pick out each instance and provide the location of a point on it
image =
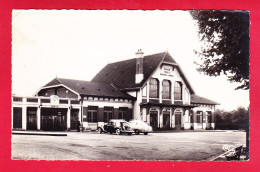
(150, 88)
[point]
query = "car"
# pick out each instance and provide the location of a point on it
(140, 127)
(118, 126)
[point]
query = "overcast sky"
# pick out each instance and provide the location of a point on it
(76, 44)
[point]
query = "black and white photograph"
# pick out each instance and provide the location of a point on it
(116, 85)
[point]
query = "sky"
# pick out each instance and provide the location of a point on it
(77, 44)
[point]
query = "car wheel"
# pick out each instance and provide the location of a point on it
(111, 132)
(118, 132)
(145, 133)
(99, 130)
(137, 132)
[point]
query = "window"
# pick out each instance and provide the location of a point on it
(144, 91)
(177, 91)
(187, 95)
(191, 116)
(208, 117)
(123, 112)
(187, 116)
(166, 94)
(108, 113)
(154, 88)
(92, 114)
(199, 117)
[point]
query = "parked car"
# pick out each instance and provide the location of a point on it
(117, 126)
(140, 127)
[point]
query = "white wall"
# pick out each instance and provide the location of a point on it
(137, 108)
(107, 103)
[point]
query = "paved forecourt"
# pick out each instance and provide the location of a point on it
(154, 146)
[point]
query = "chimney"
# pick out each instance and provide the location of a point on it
(139, 74)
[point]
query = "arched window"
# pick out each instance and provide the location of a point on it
(166, 94)
(177, 91)
(154, 88)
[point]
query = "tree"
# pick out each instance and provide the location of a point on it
(241, 117)
(236, 119)
(226, 44)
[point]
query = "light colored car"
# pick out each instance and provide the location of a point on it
(140, 127)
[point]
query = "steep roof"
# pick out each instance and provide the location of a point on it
(122, 73)
(202, 100)
(89, 88)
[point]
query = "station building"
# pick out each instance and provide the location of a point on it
(150, 88)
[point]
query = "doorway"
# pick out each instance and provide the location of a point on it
(54, 119)
(31, 118)
(17, 117)
(166, 120)
(178, 120)
(74, 119)
(154, 120)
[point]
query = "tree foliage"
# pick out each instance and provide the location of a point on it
(236, 119)
(226, 48)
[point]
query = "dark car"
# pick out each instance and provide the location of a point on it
(117, 126)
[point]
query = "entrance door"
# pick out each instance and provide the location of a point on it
(74, 119)
(59, 122)
(53, 119)
(31, 118)
(154, 119)
(17, 117)
(177, 120)
(166, 120)
(199, 119)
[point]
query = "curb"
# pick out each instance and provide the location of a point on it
(40, 134)
(194, 131)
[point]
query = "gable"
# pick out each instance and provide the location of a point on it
(172, 73)
(85, 88)
(60, 91)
